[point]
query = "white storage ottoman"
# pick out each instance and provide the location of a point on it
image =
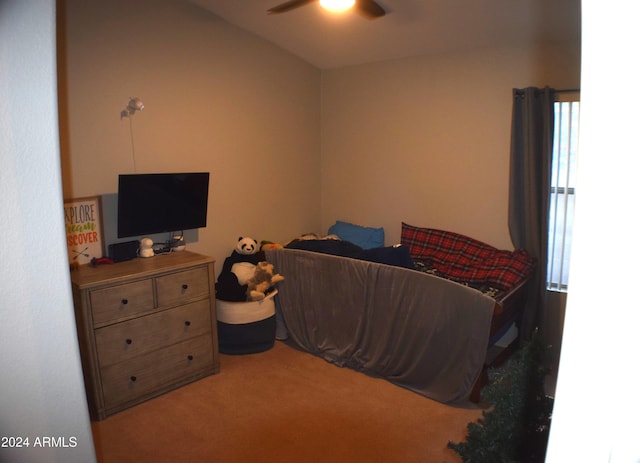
(246, 327)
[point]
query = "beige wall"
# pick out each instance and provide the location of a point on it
(425, 140)
(291, 148)
(42, 389)
(216, 99)
(599, 361)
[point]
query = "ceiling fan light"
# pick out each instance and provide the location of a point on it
(337, 5)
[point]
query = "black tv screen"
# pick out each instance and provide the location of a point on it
(158, 203)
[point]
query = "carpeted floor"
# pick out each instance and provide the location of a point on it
(284, 405)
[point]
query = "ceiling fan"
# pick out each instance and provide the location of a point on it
(368, 8)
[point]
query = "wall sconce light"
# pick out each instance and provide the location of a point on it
(135, 104)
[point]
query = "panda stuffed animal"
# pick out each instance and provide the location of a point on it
(237, 269)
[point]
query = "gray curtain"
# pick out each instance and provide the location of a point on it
(529, 187)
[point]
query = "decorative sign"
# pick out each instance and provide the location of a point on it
(83, 222)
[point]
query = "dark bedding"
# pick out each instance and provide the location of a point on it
(391, 255)
(398, 256)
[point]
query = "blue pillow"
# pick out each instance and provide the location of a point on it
(365, 237)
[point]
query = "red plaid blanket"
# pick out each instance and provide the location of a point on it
(465, 259)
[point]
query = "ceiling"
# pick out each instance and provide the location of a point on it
(410, 27)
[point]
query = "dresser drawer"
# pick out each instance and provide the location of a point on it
(121, 301)
(125, 340)
(127, 381)
(182, 287)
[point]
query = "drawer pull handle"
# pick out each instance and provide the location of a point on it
(128, 341)
(124, 302)
(133, 379)
(187, 323)
(185, 287)
(190, 357)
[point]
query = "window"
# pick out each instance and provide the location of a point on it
(563, 193)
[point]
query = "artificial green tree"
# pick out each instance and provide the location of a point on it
(515, 427)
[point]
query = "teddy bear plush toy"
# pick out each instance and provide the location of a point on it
(237, 269)
(263, 279)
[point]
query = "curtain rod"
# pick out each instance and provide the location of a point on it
(520, 91)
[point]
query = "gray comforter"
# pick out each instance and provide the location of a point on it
(418, 331)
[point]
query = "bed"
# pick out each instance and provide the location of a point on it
(424, 315)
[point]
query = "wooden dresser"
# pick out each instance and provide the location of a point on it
(145, 326)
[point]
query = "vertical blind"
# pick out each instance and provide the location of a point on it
(562, 194)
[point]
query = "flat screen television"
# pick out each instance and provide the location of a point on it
(159, 203)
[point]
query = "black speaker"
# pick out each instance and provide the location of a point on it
(119, 252)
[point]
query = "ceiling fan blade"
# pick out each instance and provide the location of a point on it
(370, 9)
(288, 6)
